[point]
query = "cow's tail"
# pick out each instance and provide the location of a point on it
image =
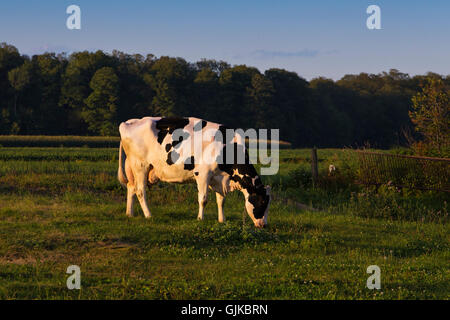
(121, 175)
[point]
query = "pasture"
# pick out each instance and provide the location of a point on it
(64, 206)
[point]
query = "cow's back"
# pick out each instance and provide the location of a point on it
(154, 141)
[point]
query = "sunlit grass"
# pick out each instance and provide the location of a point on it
(60, 207)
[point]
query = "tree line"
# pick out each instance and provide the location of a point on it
(90, 93)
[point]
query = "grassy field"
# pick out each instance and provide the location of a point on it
(64, 206)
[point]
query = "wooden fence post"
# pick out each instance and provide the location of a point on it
(314, 168)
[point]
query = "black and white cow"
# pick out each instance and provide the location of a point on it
(156, 149)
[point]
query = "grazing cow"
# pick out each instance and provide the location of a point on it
(156, 149)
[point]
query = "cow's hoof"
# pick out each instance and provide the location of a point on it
(199, 218)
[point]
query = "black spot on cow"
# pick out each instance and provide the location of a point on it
(172, 157)
(168, 125)
(168, 147)
(189, 164)
(240, 162)
(177, 143)
(200, 125)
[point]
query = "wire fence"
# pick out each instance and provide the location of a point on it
(423, 173)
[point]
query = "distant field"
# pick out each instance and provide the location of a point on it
(64, 206)
(75, 141)
(58, 141)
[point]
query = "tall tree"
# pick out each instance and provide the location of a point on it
(171, 79)
(293, 112)
(431, 116)
(75, 87)
(234, 109)
(100, 111)
(212, 65)
(134, 94)
(207, 98)
(19, 78)
(261, 96)
(9, 59)
(48, 116)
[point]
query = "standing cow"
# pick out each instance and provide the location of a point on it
(156, 149)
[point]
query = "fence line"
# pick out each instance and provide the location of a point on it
(424, 173)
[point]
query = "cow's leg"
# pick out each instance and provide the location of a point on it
(220, 200)
(131, 188)
(141, 177)
(202, 186)
(130, 199)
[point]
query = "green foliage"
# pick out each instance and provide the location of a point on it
(91, 92)
(171, 79)
(100, 112)
(75, 89)
(431, 115)
(389, 202)
(300, 178)
(19, 77)
(261, 98)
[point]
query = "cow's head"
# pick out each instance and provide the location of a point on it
(245, 178)
(257, 204)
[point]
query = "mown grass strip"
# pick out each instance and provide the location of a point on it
(59, 141)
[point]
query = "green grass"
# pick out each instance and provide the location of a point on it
(64, 206)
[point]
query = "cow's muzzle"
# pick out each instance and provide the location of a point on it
(259, 223)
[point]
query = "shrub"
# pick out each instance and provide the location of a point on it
(392, 203)
(300, 178)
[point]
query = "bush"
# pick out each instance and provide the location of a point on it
(392, 203)
(300, 178)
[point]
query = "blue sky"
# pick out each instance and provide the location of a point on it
(313, 38)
